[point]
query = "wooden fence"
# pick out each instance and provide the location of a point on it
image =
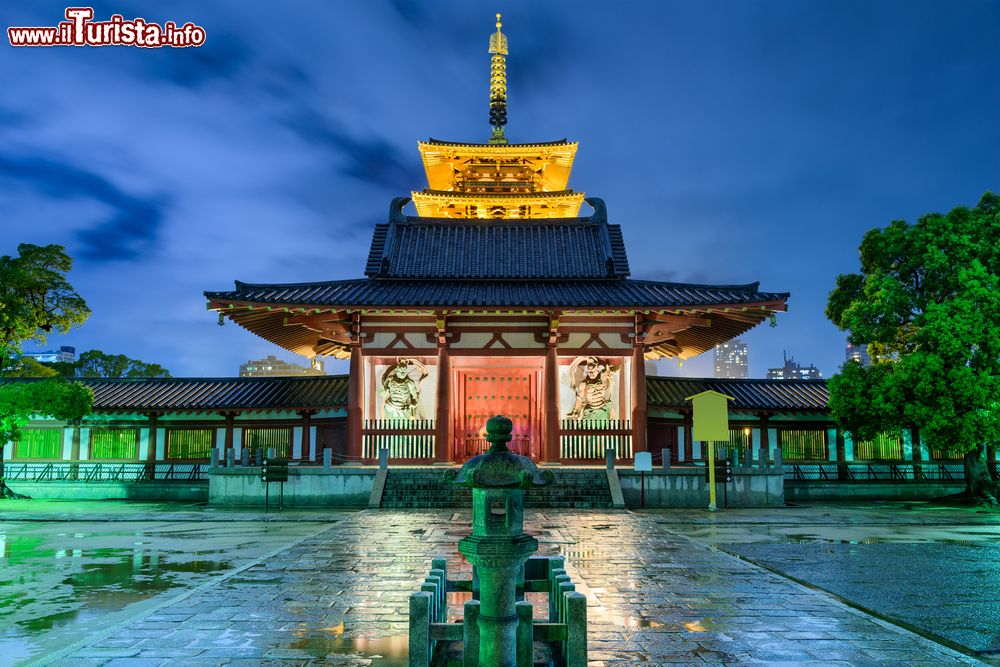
(406, 439)
(586, 441)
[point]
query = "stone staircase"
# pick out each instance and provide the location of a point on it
(422, 488)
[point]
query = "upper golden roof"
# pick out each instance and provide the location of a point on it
(498, 179)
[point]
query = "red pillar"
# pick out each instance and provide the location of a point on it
(151, 447)
(639, 434)
(765, 453)
(354, 380)
(228, 442)
(443, 429)
(306, 436)
(688, 438)
(841, 456)
(550, 432)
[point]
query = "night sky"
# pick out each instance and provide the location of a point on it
(733, 141)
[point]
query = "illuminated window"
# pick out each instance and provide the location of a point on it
(114, 443)
(739, 440)
(802, 445)
(190, 443)
(883, 447)
(36, 443)
(262, 439)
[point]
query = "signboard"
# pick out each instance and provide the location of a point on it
(723, 471)
(643, 462)
(711, 416)
(274, 470)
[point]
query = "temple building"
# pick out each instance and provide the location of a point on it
(498, 297)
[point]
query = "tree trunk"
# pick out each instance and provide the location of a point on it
(978, 481)
(5, 491)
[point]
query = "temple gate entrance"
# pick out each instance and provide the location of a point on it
(511, 392)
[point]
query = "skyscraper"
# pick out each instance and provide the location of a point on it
(792, 370)
(858, 353)
(731, 360)
(271, 366)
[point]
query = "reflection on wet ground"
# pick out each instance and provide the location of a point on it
(936, 571)
(61, 581)
(854, 534)
(655, 595)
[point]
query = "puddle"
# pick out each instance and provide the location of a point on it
(828, 534)
(58, 584)
(380, 651)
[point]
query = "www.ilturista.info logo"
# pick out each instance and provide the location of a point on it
(79, 29)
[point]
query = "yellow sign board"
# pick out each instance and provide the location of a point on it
(711, 416)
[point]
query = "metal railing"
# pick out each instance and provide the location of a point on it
(868, 471)
(587, 441)
(104, 471)
(410, 439)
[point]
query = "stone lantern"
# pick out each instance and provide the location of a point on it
(498, 545)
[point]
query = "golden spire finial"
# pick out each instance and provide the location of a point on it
(498, 84)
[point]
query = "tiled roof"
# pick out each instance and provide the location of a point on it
(779, 395)
(203, 394)
(505, 249)
(288, 393)
(440, 142)
(389, 293)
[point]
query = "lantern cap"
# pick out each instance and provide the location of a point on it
(500, 468)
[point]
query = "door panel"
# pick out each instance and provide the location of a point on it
(483, 393)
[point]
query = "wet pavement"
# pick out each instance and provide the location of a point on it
(61, 582)
(935, 570)
(655, 595)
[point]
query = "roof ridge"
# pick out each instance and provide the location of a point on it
(738, 380)
(222, 378)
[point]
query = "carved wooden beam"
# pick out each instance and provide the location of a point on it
(336, 330)
(682, 320)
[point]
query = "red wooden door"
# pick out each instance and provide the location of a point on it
(511, 392)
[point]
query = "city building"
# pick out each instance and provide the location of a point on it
(858, 353)
(792, 370)
(731, 360)
(271, 366)
(498, 297)
(66, 353)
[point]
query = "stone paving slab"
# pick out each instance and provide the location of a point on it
(654, 596)
(965, 579)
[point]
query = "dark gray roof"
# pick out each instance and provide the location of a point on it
(388, 293)
(210, 394)
(503, 249)
(777, 395)
(330, 391)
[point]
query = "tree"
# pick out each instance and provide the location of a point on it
(97, 364)
(19, 400)
(927, 303)
(28, 367)
(36, 299)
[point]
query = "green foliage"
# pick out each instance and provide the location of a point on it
(97, 364)
(927, 303)
(28, 367)
(56, 398)
(35, 297)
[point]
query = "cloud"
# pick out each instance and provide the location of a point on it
(224, 56)
(370, 159)
(133, 225)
